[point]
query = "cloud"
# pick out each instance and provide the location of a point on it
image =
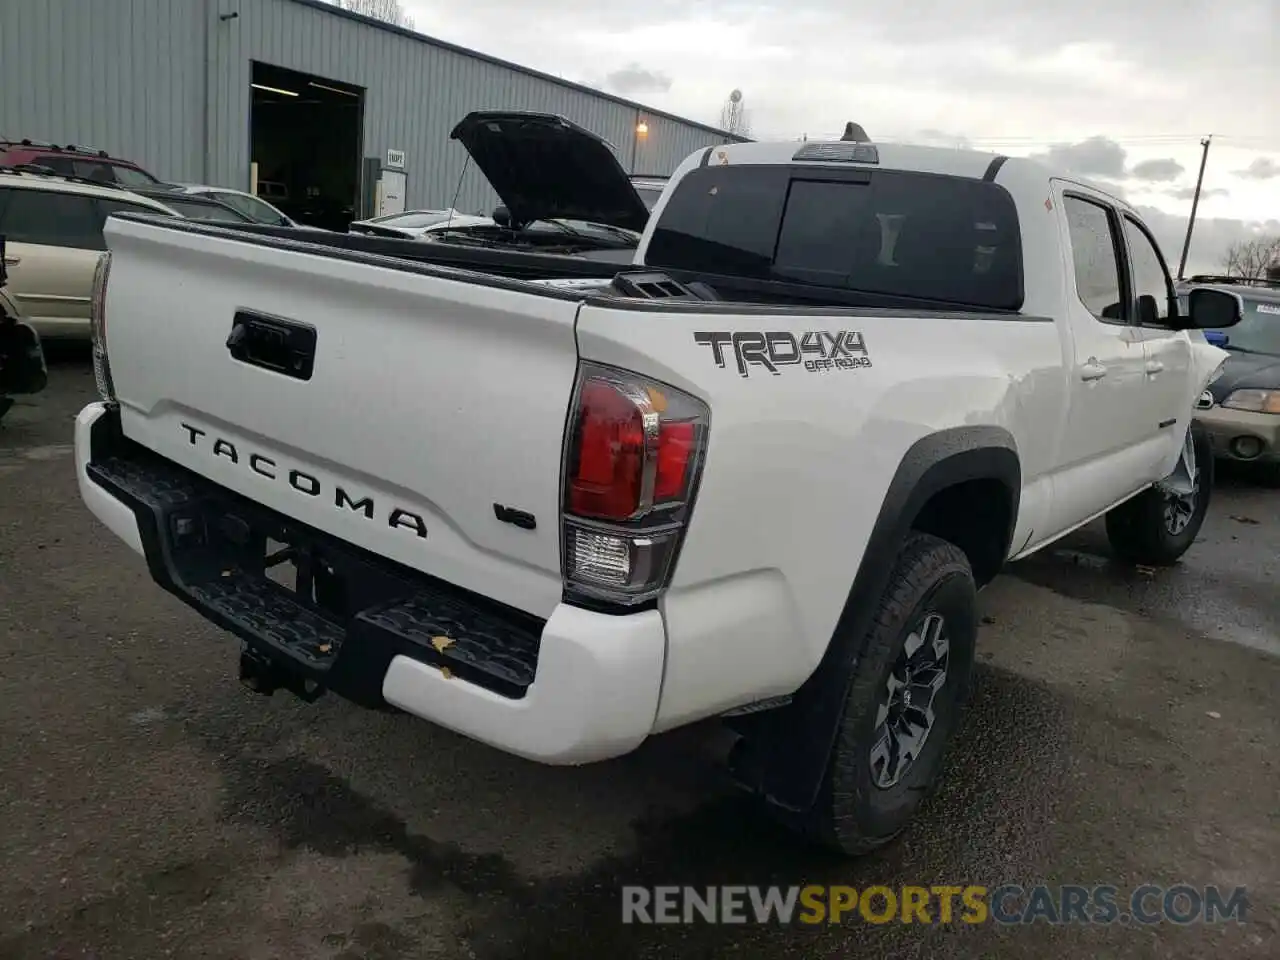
(1096, 157)
(933, 137)
(633, 79)
(1104, 158)
(1210, 239)
(1262, 168)
(1014, 76)
(1158, 170)
(1189, 193)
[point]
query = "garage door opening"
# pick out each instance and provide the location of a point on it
(305, 138)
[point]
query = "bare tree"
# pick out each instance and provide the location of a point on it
(388, 11)
(1254, 258)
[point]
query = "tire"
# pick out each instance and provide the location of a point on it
(1141, 530)
(854, 813)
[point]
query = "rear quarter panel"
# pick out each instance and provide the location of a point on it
(798, 465)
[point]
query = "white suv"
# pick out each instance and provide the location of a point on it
(53, 230)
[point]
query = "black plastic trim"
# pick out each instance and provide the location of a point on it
(378, 609)
(993, 168)
(926, 311)
(706, 157)
(791, 746)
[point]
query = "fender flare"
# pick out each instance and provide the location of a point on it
(791, 745)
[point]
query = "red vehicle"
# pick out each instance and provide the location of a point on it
(73, 161)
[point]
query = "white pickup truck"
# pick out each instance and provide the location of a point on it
(760, 474)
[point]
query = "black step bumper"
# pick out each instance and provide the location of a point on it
(346, 617)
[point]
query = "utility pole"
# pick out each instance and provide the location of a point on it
(1195, 202)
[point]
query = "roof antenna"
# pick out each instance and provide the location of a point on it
(854, 132)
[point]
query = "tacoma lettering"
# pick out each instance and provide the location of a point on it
(307, 484)
(815, 350)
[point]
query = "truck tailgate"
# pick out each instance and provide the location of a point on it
(433, 408)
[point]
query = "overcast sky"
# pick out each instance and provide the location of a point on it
(1121, 91)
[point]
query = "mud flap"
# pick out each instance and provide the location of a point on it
(22, 364)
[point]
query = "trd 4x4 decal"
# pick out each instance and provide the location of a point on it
(817, 350)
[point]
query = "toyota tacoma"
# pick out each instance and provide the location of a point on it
(758, 473)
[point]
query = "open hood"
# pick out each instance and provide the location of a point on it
(544, 167)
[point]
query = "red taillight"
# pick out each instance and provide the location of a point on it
(635, 449)
(609, 467)
(675, 456)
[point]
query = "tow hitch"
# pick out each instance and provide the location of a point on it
(263, 675)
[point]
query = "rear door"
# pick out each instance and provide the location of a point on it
(1107, 449)
(54, 238)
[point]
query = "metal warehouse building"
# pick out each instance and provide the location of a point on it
(292, 96)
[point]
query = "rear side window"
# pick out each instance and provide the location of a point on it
(108, 207)
(195, 210)
(251, 207)
(100, 171)
(887, 232)
(54, 219)
(1095, 252)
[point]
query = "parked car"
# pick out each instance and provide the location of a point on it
(417, 224)
(255, 209)
(1241, 409)
(273, 191)
(87, 163)
(22, 366)
(839, 388)
(53, 226)
(194, 206)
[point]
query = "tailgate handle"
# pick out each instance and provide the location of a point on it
(273, 343)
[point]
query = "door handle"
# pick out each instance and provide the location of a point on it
(1093, 370)
(283, 346)
(12, 261)
(1154, 367)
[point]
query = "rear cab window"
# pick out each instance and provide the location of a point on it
(892, 233)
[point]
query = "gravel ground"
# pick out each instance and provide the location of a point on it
(1123, 731)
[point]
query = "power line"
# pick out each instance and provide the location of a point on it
(1254, 141)
(1195, 202)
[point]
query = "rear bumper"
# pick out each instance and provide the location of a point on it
(577, 687)
(1241, 435)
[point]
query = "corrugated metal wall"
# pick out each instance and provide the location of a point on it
(166, 83)
(123, 75)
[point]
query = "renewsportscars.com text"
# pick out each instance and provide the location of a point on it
(939, 904)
